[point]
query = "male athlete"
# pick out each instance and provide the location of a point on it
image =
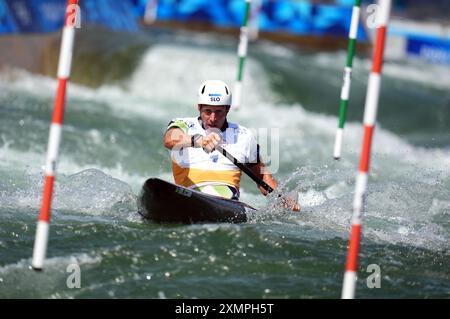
(195, 162)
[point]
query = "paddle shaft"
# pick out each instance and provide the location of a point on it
(253, 176)
(245, 168)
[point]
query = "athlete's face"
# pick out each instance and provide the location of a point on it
(213, 116)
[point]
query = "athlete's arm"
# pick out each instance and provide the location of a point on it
(263, 172)
(175, 136)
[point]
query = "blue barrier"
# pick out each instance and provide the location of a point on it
(32, 16)
(7, 23)
(430, 49)
(302, 18)
(25, 16)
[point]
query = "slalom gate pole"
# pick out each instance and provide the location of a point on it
(151, 11)
(370, 115)
(64, 66)
(345, 91)
(253, 22)
(242, 54)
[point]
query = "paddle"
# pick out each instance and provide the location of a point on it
(246, 170)
(250, 173)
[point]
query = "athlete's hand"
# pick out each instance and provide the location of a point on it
(210, 141)
(290, 203)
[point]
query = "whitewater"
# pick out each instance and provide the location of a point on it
(112, 142)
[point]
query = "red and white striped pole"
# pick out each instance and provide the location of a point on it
(65, 61)
(370, 115)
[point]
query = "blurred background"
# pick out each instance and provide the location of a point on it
(137, 64)
(420, 28)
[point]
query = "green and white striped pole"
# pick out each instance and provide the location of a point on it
(242, 54)
(345, 91)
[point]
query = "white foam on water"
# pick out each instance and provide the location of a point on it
(165, 84)
(311, 198)
(15, 160)
(53, 263)
(437, 76)
(18, 279)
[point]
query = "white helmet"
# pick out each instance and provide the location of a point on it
(214, 92)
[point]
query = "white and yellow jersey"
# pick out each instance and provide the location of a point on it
(194, 168)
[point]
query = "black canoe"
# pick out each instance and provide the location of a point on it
(165, 202)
